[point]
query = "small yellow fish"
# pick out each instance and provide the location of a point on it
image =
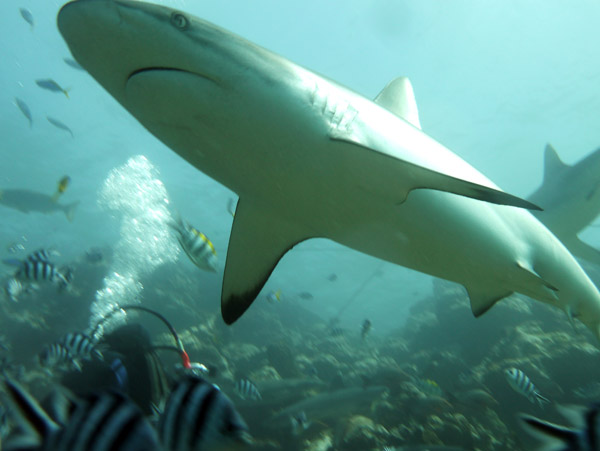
(63, 184)
(274, 296)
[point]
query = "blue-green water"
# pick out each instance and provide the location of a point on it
(494, 82)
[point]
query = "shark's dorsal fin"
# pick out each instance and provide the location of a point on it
(399, 98)
(259, 239)
(553, 165)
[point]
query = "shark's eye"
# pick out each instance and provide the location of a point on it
(179, 21)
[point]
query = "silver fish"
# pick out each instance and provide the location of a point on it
(74, 64)
(27, 201)
(57, 355)
(81, 346)
(26, 14)
(51, 85)
(41, 271)
(25, 110)
(13, 289)
(246, 389)
(520, 383)
(42, 255)
(60, 125)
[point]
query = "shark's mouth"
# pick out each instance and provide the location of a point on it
(157, 69)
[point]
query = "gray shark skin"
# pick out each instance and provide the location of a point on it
(570, 197)
(331, 404)
(310, 158)
(27, 201)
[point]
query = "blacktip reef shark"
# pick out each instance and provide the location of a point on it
(310, 158)
(570, 197)
(26, 201)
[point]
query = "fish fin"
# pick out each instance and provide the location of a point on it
(553, 165)
(399, 98)
(532, 278)
(570, 317)
(70, 210)
(259, 239)
(483, 299)
(382, 174)
(583, 250)
(541, 400)
(31, 415)
(66, 92)
(55, 196)
(549, 432)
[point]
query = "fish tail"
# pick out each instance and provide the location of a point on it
(70, 210)
(12, 262)
(541, 399)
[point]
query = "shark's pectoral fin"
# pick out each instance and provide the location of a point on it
(259, 239)
(483, 298)
(398, 177)
(583, 250)
(399, 98)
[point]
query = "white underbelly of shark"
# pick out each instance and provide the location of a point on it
(310, 158)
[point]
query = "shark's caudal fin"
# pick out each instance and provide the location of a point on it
(258, 241)
(583, 250)
(399, 98)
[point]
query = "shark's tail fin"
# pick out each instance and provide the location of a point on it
(70, 210)
(583, 250)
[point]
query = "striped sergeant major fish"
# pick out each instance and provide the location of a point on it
(42, 255)
(520, 383)
(81, 346)
(196, 245)
(40, 270)
(57, 355)
(198, 415)
(246, 389)
(583, 435)
(102, 422)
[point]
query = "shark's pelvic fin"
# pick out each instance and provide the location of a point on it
(553, 165)
(387, 184)
(399, 98)
(483, 299)
(258, 241)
